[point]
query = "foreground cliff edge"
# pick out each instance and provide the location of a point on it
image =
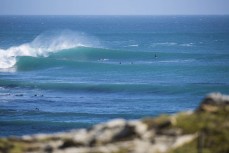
(206, 130)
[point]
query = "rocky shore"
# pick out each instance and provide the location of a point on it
(204, 130)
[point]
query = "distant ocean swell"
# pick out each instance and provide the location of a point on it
(55, 116)
(138, 88)
(71, 49)
(83, 57)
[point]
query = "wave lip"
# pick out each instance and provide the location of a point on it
(45, 44)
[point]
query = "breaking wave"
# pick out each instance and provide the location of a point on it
(46, 43)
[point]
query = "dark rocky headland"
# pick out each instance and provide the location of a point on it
(205, 130)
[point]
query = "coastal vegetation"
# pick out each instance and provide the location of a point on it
(204, 130)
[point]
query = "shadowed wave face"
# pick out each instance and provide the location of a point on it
(105, 68)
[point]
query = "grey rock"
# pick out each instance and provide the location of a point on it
(212, 102)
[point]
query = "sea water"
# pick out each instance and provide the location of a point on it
(64, 72)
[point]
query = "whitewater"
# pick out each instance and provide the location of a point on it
(44, 44)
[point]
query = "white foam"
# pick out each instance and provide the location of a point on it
(44, 44)
(177, 61)
(134, 45)
(164, 44)
(187, 45)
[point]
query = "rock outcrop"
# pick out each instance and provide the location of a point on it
(214, 102)
(204, 130)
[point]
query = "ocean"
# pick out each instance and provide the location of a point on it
(65, 72)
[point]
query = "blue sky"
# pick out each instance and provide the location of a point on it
(113, 7)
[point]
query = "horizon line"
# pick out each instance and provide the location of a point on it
(113, 14)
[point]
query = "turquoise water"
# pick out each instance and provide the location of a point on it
(64, 72)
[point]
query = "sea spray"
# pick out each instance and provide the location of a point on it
(46, 43)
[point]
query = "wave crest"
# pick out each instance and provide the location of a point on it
(46, 43)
